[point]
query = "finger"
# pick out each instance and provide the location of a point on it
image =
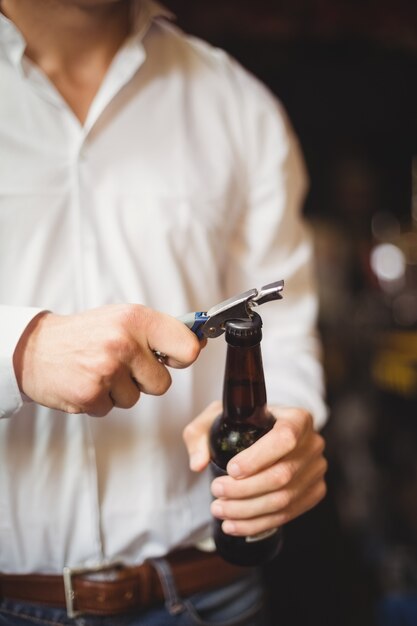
(195, 436)
(256, 525)
(277, 476)
(100, 407)
(98, 400)
(273, 501)
(169, 336)
(125, 391)
(271, 479)
(286, 435)
(151, 376)
(166, 360)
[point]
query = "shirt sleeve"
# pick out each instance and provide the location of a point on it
(274, 242)
(13, 321)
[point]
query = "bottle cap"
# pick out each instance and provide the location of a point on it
(244, 332)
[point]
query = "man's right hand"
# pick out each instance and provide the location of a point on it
(104, 357)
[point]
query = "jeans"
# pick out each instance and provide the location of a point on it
(397, 609)
(238, 604)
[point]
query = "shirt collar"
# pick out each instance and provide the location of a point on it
(12, 43)
(144, 12)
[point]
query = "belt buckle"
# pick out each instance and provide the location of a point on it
(68, 574)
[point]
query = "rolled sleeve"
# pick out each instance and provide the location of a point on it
(13, 321)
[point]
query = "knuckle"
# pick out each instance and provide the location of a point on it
(191, 350)
(88, 396)
(319, 443)
(161, 384)
(324, 465)
(315, 497)
(282, 473)
(276, 478)
(129, 401)
(97, 412)
(281, 500)
(105, 365)
(72, 408)
(282, 518)
(317, 493)
(319, 467)
(307, 419)
(130, 314)
(288, 433)
(117, 345)
(275, 501)
(322, 490)
(190, 432)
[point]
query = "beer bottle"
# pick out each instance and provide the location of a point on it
(244, 419)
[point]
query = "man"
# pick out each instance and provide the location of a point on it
(140, 165)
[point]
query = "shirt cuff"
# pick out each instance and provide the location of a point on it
(13, 321)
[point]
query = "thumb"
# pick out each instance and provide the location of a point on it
(195, 436)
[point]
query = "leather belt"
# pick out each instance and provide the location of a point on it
(115, 588)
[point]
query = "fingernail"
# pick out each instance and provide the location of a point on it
(196, 460)
(233, 470)
(217, 509)
(217, 490)
(228, 527)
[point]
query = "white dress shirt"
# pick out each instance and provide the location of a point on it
(182, 188)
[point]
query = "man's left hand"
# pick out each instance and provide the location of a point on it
(274, 481)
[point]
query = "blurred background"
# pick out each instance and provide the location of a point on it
(346, 71)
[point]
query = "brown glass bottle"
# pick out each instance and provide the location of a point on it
(245, 419)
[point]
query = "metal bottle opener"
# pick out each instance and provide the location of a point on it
(211, 323)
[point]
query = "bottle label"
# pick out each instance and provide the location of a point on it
(260, 536)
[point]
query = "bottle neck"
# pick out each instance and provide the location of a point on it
(244, 392)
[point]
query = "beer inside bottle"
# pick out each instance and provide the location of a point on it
(244, 419)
